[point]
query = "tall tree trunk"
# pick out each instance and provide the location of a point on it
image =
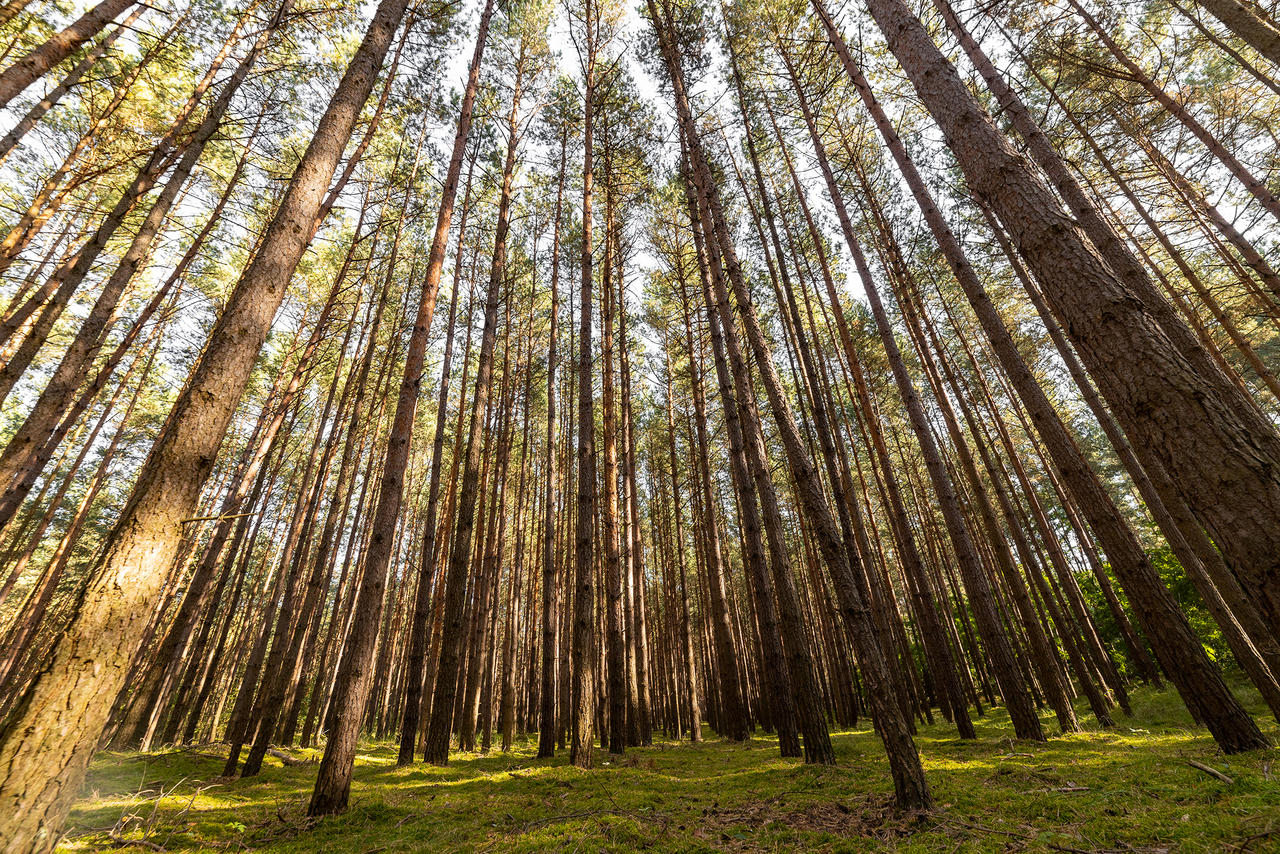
(353, 682)
(584, 633)
(47, 743)
(419, 636)
(615, 640)
(733, 718)
(547, 695)
(1198, 680)
(688, 678)
(797, 701)
(73, 77)
(58, 47)
(1260, 33)
(639, 628)
(1224, 458)
(912, 792)
(455, 579)
(981, 597)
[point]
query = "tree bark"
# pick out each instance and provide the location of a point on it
(1260, 33)
(59, 46)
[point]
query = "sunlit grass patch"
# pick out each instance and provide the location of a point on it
(1131, 788)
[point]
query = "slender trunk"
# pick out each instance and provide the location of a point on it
(1198, 680)
(1254, 185)
(547, 723)
(584, 633)
(58, 47)
(73, 77)
(689, 671)
(415, 665)
(615, 642)
(981, 597)
(639, 629)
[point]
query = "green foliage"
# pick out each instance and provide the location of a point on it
(1175, 578)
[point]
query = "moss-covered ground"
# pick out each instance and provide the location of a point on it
(1130, 789)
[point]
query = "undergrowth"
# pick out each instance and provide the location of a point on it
(1129, 789)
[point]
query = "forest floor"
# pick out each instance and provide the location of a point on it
(1131, 789)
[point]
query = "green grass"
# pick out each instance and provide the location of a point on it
(1131, 789)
